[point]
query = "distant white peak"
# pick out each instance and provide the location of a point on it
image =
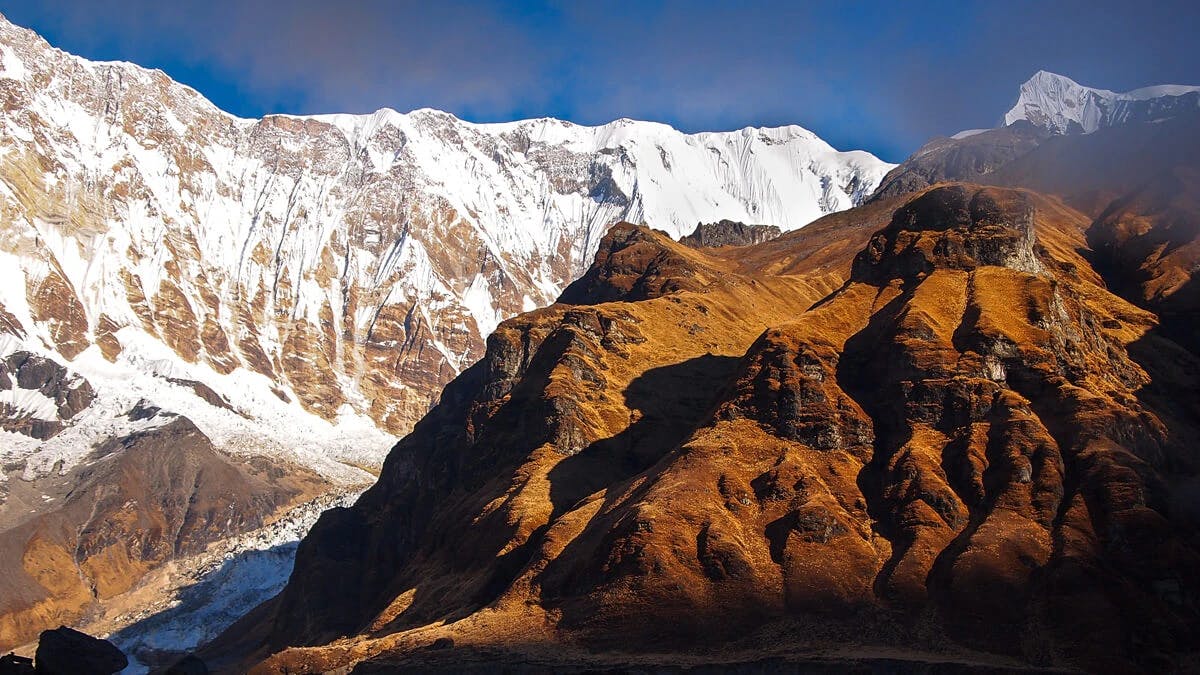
(1062, 105)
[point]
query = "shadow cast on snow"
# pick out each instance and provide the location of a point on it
(205, 608)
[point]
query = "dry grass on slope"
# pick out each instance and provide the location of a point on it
(955, 451)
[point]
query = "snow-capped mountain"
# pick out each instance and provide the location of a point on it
(336, 269)
(1061, 105)
(1048, 105)
(265, 304)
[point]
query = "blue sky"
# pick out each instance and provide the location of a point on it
(884, 76)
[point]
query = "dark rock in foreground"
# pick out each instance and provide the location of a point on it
(11, 664)
(65, 651)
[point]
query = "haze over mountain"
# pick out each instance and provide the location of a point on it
(1054, 110)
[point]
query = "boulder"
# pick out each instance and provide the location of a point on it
(65, 651)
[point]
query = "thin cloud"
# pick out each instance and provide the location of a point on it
(884, 76)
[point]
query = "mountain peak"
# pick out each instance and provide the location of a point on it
(1047, 76)
(1063, 106)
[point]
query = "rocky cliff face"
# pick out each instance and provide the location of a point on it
(729, 233)
(969, 447)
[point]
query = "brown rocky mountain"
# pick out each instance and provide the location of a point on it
(79, 538)
(728, 233)
(1139, 183)
(1141, 186)
(952, 425)
(968, 158)
(924, 430)
(138, 502)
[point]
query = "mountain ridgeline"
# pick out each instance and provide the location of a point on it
(352, 264)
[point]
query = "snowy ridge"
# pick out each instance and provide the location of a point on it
(256, 423)
(325, 274)
(1061, 105)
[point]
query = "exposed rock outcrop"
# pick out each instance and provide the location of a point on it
(11, 664)
(65, 651)
(729, 233)
(39, 395)
(140, 501)
(635, 264)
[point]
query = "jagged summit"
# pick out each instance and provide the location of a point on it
(729, 233)
(948, 228)
(1060, 105)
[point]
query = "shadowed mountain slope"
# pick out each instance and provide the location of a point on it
(964, 449)
(1138, 182)
(139, 502)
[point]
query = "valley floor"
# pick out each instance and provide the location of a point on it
(187, 602)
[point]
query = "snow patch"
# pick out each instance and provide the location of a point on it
(11, 66)
(967, 133)
(478, 301)
(31, 403)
